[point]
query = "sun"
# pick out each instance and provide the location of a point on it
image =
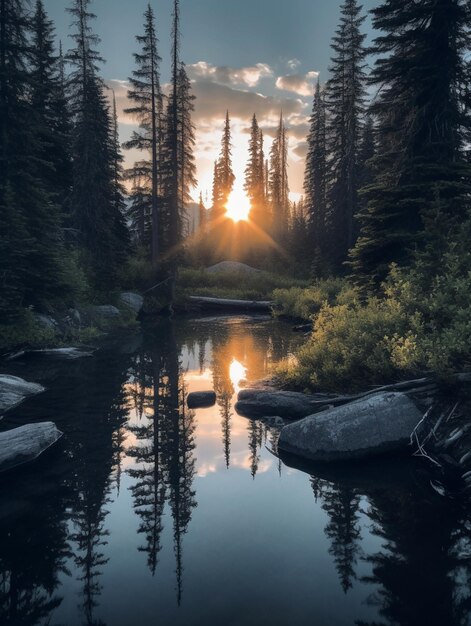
(238, 206)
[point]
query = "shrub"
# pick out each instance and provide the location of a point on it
(300, 303)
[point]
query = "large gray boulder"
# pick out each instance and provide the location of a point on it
(14, 390)
(26, 443)
(133, 301)
(371, 426)
(287, 404)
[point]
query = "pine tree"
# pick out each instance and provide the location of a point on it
(173, 210)
(421, 189)
(223, 174)
(201, 214)
(96, 202)
(31, 256)
(315, 181)
(15, 135)
(46, 281)
(345, 92)
(146, 95)
(186, 140)
(139, 211)
(278, 183)
(49, 103)
(254, 169)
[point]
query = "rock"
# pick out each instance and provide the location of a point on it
(26, 443)
(231, 266)
(133, 301)
(286, 404)
(201, 399)
(46, 321)
(14, 390)
(105, 311)
(367, 427)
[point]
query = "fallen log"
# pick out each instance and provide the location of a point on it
(26, 443)
(232, 305)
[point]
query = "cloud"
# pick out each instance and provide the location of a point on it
(293, 64)
(301, 150)
(247, 76)
(213, 99)
(218, 89)
(301, 84)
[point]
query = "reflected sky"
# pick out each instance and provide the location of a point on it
(151, 513)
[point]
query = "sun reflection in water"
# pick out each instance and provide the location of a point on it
(237, 373)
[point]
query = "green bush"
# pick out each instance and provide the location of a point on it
(304, 303)
(351, 345)
(420, 324)
(25, 333)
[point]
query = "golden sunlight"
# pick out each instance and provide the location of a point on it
(237, 373)
(238, 206)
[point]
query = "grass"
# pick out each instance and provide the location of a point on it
(235, 285)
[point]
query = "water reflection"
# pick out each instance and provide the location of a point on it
(189, 516)
(164, 450)
(421, 570)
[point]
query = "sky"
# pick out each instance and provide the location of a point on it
(247, 56)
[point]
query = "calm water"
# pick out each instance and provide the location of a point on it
(150, 514)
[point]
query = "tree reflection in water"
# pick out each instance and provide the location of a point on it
(164, 456)
(391, 540)
(422, 571)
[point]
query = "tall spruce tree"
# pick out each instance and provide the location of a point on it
(96, 206)
(421, 191)
(32, 259)
(223, 174)
(278, 183)
(345, 92)
(173, 211)
(254, 172)
(315, 181)
(16, 178)
(146, 96)
(50, 108)
(186, 140)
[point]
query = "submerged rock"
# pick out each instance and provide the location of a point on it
(14, 390)
(132, 300)
(201, 399)
(26, 443)
(371, 426)
(286, 404)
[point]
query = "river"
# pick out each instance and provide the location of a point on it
(148, 513)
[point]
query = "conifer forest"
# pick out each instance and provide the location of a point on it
(235, 312)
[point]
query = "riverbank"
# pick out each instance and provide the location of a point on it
(409, 328)
(78, 326)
